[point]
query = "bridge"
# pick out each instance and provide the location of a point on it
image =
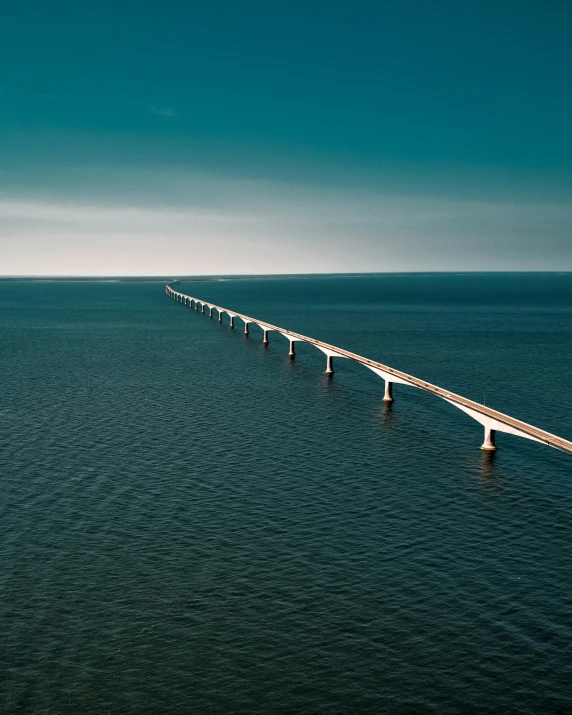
(493, 421)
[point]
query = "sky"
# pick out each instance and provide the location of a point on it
(187, 138)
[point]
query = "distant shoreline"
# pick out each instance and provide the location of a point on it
(261, 276)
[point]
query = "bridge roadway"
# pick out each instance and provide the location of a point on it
(492, 420)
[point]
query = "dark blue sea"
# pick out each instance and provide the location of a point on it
(193, 523)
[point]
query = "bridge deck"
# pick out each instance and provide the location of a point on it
(534, 432)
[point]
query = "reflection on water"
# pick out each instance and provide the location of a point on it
(487, 466)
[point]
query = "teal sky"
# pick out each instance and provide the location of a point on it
(187, 138)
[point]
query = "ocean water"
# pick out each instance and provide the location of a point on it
(193, 523)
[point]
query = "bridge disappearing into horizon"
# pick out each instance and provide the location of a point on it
(492, 420)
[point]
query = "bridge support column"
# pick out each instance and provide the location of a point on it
(203, 308)
(210, 312)
(219, 317)
(196, 305)
(489, 444)
(329, 365)
(246, 328)
(265, 338)
(292, 352)
(231, 321)
(388, 396)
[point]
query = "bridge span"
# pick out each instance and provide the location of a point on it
(493, 421)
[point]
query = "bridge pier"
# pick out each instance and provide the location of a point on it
(231, 325)
(196, 305)
(220, 316)
(246, 328)
(211, 312)
(265, 338)
(489, 444)
(388, 396)
(292, 352)
(203, 308)
(329, 365)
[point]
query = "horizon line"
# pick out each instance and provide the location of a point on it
(163, 276)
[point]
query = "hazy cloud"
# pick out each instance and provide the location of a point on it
(233, 226)
(167, 112)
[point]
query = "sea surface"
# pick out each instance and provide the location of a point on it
(193, 523)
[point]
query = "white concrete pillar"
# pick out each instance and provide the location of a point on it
(232, 321)
(489, 443)
(388, 396)
(329, 365)
(203, 308)
(246, 328)
(210, 312)
(292, 352)
(219, 317)
(265, 338)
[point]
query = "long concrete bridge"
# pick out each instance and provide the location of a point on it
(492, 420)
